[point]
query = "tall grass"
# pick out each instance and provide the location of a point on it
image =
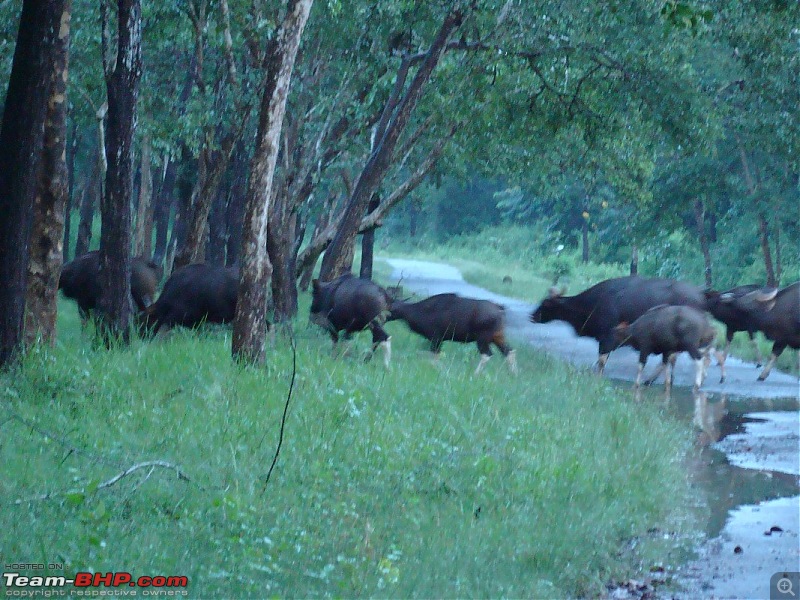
(419, 481)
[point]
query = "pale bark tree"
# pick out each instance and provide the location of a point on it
(143, 238)
(47, 236)
(250, 324)
(122, 83)
(21, 136)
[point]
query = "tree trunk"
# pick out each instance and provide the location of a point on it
(47, 235)
(122, 84)
(21, 136)
(89, 196)
(143, 240)
(763, 230)
(338, 257)
(72, 148)
(163, 209)
(183, 206)
(635, 260)
(234, 212)
(215, 249)
(702, 236)
(778, 261)
(585, 241)
(212, 167)
(368, 243)
(280, 248)
(250, 324)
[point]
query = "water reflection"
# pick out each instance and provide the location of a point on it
(713, 417)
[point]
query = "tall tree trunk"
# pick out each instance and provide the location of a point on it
(183, 206)
(763, 230)
(585, 241)
(89, 199)
(368, 243)
(281, 231)
(250, 324)
(122, 83)
(143, 240)
(47, 235)
(398, 111)
(635, 260)
(702, 236)
(234, 212)
(211, 169)
(215, 249)
(778, 262)
(21, 136)
(163, 209)
(72, 148)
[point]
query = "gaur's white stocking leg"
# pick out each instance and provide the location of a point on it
(654, 376)
(601, 363)
(759, 358)
(387, 351)
(765, 373)
(484, 359)
(511, 359)
(699, 372)
(639, 375)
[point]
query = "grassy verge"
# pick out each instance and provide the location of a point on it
(418, 481)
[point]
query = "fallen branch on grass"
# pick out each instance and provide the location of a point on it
(109, 482)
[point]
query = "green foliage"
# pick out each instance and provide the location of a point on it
(419, 481)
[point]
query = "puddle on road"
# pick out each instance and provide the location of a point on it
(724, 485)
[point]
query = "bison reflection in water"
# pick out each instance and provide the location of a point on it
(448, 317)
(351, 304)
(668, 330)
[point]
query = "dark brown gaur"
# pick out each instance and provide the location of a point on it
(449, 317)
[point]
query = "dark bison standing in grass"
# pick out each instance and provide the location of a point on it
(80, 281)
(668, 330)
(595, 312)
(351, 304)
(192, 295)
(449, 317)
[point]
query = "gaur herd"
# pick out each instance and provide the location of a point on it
(654, 316)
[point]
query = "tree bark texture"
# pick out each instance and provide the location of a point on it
(368, 243)
(115, 239)
(250, 324)
(143, 239)
(763, 232)
(338, 258)
(72, 148)
(281, 236)
(163, 209)
(215, 249)
(47, 235)
(702, 236)
(21, 137)
(89, 200)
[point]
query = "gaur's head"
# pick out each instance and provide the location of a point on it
(551, 307)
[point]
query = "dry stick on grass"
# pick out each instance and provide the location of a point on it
(285, 410)
(109, 482)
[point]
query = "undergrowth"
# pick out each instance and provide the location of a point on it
(419, 481)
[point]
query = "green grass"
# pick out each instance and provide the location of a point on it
(420, 481)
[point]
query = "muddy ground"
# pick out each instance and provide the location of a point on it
(741, 560)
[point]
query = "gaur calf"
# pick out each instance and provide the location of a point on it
(668, 330)
(351, 304)
(194, 294)
(80, 281)
(449, 317)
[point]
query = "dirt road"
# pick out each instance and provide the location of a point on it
(771, 444)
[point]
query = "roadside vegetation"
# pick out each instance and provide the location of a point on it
(418, 481)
